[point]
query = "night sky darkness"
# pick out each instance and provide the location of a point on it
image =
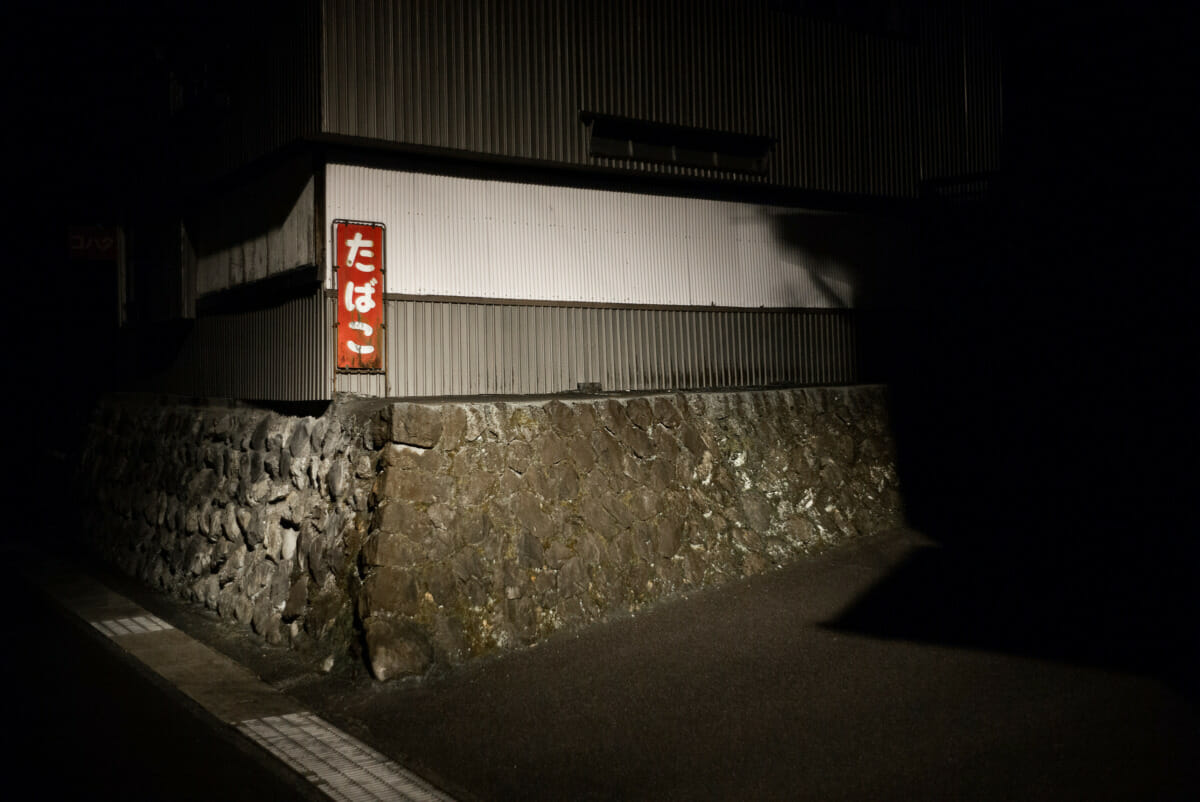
(1044, 391)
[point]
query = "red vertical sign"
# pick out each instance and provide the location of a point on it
(358, 260)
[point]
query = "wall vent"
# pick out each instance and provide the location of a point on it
(643, 140)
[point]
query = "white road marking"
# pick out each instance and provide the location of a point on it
(340, 766)
(115, 627)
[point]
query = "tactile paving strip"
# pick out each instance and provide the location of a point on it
(137, 625)
(342, 767)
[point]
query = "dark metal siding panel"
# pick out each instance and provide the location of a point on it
(983, 78)
(267, 65)
(509, 77)
(278, 353)
(961, 111)
(448, 348)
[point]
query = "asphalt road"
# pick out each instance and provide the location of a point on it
(777, 687)
(756, 691)
(84, 721)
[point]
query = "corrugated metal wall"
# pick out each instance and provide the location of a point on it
(510, 77)
(450, 348)
(286, 352)
(277, 353)
(961, 109)
(258, 66)
(853, 111)
(254, 232)
(476, 238)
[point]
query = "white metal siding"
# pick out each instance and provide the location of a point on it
(474, 238)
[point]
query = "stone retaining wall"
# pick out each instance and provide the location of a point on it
(241, 509)
(436, 533)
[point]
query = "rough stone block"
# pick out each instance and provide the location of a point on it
(550, 449)
(564, 481)
(531, 515)
(586, 418)
(522, 616)
(287, 545)
(639, 413)
(255, 530)
(389, 590)
(297, 599)
(562, 417)
(316, 435)
(338, 479)
(412, 424)
(608, 452)
(668, 535)
(396, 648)
(418, 487)
(395, 515)
(406, 458)
(299, 444)
(596, 516)
(467, 565)
(581, 454)
(437, 584)
(572, 577)
(264, 429)
(643, 503)
(665, 412)
(454, 427)
(529, 551)
(757, 511)
(518, 456)
(474, 488)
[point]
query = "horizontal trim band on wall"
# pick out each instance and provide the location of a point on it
(459, 299)
(407, 157)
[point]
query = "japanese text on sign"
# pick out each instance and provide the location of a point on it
(358, 260)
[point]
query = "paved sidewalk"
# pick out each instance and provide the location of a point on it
(197, 689)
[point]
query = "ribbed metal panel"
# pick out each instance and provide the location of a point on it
(961, 111)
(252, 233)
(509, 78)
(263, 66)
(278, 353)
(476, 238)
(447, 348)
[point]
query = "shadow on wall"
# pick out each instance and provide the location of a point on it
(851, 260)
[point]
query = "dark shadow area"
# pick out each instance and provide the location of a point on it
(1085, 610)
(1043, 387)
(854, 260)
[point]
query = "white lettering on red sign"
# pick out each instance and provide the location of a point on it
(360, 308)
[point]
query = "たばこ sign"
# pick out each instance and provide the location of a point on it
(359, 261)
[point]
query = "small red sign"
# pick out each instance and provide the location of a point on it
(94, 243)
(359, 262)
